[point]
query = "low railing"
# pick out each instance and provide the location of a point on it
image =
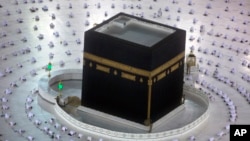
(108, 134)
(122, 136)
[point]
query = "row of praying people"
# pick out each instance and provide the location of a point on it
(232, 108)
(38, 122)
(15, 53)
(242, 90)
(223, 45)
(224, 79)
(216, 53)
(48, 131)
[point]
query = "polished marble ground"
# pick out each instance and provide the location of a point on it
(223, 45)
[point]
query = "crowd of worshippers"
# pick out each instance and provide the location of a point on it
(159, 12)
(28, 109)
(226, 80)
(228, 101)
(49, 127)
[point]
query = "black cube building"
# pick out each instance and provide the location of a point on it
(133, 68)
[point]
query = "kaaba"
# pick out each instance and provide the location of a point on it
(133, 68)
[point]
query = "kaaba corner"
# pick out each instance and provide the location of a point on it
(133, 68)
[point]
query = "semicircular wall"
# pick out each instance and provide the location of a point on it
(47, 94)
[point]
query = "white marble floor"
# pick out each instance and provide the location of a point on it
(223, 45)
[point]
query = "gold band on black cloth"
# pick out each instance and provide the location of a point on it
(134, 70)
(103, 68)
(129, 72)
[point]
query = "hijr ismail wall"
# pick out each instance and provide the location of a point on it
(133, 68)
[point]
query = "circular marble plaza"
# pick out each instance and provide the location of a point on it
(36, 32)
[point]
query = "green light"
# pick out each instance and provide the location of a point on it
(49, 66)
(60, 86)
